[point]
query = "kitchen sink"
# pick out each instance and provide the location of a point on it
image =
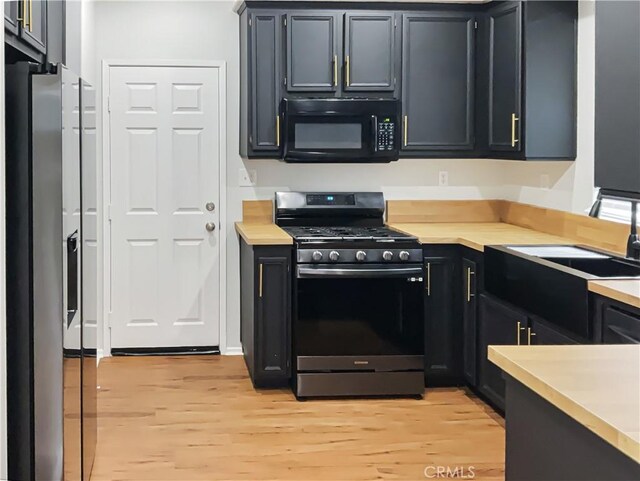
(552, 281)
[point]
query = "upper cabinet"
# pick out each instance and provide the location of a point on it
(438, 82)
(35, 34)
(11, 15)
(369, 52)
(35, 30)
(527, 74)
(505, 66)
(495, 80)
(617, 142)
(313, 59)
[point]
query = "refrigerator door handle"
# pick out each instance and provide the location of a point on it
(72, 277)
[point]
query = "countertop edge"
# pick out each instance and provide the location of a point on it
(580, 414)
(263, 239)
(597, 287)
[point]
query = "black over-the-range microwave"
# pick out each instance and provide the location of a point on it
(340, 130)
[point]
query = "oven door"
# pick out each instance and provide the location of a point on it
(359, 318)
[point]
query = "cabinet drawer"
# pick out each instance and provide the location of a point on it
(620, 327)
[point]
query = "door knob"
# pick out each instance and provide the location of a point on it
(210, 206)
(210, 226)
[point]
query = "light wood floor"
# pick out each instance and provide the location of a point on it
(199, 418)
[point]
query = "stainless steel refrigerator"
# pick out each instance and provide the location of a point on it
(48, 393)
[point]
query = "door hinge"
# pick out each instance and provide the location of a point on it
(395, 23)
(108, 320)
(109, 103)
(109, 212)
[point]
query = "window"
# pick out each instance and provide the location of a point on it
(614, 208)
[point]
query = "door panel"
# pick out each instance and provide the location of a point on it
(11, 14)
(505, 40)
(437, 82)
(165, 133)
(369, 52)
(36, 32)
(499, 325)
(312, 52)
(266, 45)
(469, 319)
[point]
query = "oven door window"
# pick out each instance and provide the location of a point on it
(359, 317)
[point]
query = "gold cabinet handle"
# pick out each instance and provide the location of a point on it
(514, 140)
(335, 70)
(31, 15)
(348, 71)
(260, 283)
(428, 279)
(519, 328)
(530, 333)
(406, 129)
(469, 274)
(25, 14)
(277, 131)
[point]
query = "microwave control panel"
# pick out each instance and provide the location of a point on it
(386, 130)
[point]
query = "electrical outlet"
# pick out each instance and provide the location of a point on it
(545, 183)
(247, 178)
(443, 178)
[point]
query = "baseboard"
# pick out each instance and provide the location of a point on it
(233, 351)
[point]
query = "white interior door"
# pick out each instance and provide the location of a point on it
(165, 160)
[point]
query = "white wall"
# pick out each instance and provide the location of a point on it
(184, 30)
(3, 311)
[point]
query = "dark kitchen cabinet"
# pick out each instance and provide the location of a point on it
(266, 313)
(620, 323)
(443, 350)
(369, 52)
(11, 15)
(266, 31)
(36, 32)
(617, 108)
(438, 56)
(505, 64)
(541, 333)
(527, 75)
(313, 56)
(499, 324)
(470, 291)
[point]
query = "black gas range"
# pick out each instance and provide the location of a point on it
(358, 297)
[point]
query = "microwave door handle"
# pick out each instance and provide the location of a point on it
(374, 127)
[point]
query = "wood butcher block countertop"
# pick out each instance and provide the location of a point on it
(263, 234)
(625, 291)
(597, 385)
(477, 235)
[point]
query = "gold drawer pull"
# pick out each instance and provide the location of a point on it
(514, 140)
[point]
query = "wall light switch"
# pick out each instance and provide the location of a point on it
(247, 178)
(443, 178)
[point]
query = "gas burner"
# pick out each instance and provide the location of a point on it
(345, 233)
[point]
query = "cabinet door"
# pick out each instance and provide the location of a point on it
(505, 64)
(544, 334)
(469, 317)
(313, 61)
(273, 319)
(620, 327)
(369, 52)
(442, 349)
(266, 48)
(11, 14)
(499, 325)
(35, 34)
(617, 143)
(438, 53)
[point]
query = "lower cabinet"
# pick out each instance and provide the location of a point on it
(541, 333)
(443, 353)
(499, 324)
(616, 323)
(265, 313)
(471, 281)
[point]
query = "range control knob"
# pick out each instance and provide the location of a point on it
(387, 255)
(404, 256)
(317, 256)
(361, 255)
(334, 255)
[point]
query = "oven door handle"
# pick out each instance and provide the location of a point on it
(364, 272)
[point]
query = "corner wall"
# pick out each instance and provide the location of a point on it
(183, 30)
